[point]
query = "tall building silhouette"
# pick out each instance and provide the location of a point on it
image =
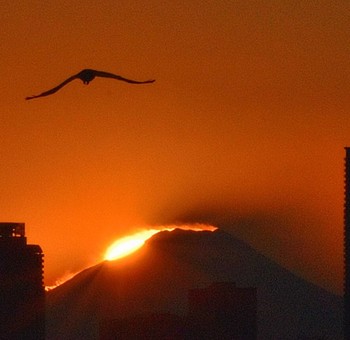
(22, 292)
(347, 247)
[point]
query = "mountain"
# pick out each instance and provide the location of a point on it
(157, 279)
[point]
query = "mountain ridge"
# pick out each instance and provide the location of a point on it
(158, 277)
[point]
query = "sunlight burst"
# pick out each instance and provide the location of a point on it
(129, 244)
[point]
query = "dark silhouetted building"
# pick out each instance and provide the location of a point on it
(347, 247)
(221, 311)
(22, 292)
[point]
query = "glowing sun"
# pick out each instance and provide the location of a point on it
(129, 244)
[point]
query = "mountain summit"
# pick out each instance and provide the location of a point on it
(158, 277)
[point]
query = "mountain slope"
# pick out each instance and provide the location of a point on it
(157, 279)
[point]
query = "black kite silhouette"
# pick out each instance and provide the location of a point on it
(86, 76)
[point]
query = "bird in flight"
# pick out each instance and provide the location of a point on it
(86, 76)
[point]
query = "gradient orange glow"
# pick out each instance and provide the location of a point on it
(129, 244)
(244, 127)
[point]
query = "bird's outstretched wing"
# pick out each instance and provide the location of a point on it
(86, 76)
(115, 76)
(55, 89)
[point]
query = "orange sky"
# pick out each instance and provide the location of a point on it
(244, 126)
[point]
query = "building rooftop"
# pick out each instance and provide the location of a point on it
(12, 229)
